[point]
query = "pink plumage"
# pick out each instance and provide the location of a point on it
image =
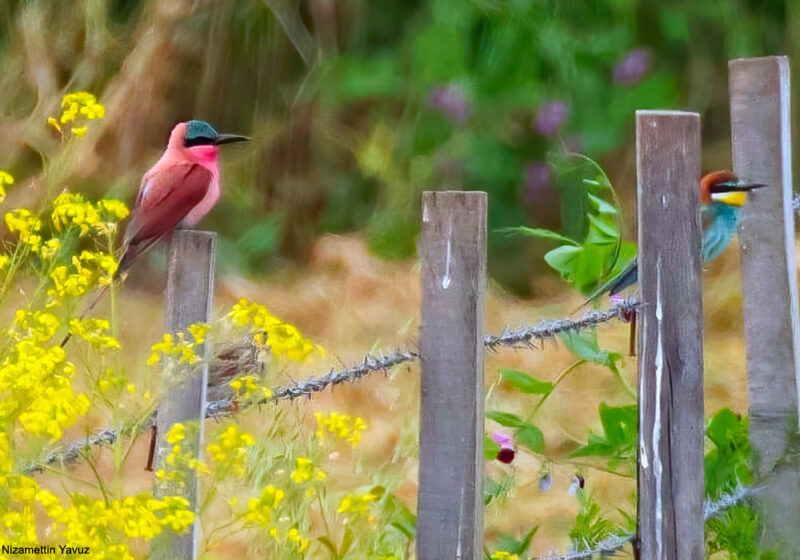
(179, 190)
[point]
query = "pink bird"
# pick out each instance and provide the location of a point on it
(179, 190)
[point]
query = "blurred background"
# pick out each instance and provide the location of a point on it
(355, 107)
(358, 106)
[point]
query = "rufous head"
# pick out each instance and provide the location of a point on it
(724, 187)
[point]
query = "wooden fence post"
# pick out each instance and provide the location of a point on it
(761, 143)
(450, 499)
(670, 480)
(190, 288)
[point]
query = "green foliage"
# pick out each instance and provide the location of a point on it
(519, 547)
(525, 383)
(591, 527)
(525, 433)
(727, 463)
(592, 249)
(618, 441)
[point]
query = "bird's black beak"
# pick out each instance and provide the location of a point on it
(229, 138)
(735, 186)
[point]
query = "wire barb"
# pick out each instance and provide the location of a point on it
(520, 338)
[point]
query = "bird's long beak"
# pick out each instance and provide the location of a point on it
(229, 138)
(735, 186)
(733, 193)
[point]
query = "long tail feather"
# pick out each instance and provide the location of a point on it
(624, 279)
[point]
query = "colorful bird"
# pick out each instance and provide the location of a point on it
(722, 195)
(179, 190)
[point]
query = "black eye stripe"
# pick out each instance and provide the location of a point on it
(198, 141)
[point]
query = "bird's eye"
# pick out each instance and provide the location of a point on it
(198, 141)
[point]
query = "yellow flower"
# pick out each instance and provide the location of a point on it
(78, 106)
(357, 504)
(6, 179)
(177, 433)
(342, 426)
(94, 331)
(305, 471)
(295, 538)
(281, 338)
(259, 510)
(503, 555)
(26, 224)
(229, 450)
(4, 260)
(199, 331)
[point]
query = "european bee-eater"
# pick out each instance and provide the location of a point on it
(179, 190)
(722, 195)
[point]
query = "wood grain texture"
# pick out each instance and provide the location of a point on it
(453, 254)
(670, 481)
(190, 288)
(761, 144)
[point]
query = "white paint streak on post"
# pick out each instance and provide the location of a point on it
(670, 484)
(453, 254)
(761, 143)
(190, 289)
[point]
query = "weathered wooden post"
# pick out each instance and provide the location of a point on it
(761, 143)
(450, 499)
(190, 288)
(670, 480)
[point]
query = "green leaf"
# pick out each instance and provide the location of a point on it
(490, 448)
(620, 424)
(510, 544)
(491, 489)
(605, 226)
(328, 544)
(524, 383)
(601, 205)
(531, 437)
(584, 345)
(347, 542)
(561, 259)
(537, 232)
(506, 419)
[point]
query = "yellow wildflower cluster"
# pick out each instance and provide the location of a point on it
(282, 338)
(95, 332)
(503, 555)
(87, 270)
(229, 450)
(247, 388)
(6, 179)
(260, 510)
(35, 380)
(27, 225)
(357, 504)
(77, 108)
(103, 526)
(340, 425)
(72, 210)
(294, 538)
(183, 349)
(179, 462)
(305, 471)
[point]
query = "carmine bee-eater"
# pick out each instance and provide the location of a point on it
(179, 190)
(722, 195)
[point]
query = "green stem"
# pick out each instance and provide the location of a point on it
(569, 369)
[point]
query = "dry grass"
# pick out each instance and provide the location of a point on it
(350, 302)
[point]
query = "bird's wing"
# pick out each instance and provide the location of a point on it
(164, 201)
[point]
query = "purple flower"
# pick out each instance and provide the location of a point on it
(545, 482)
(506, 443)
(550, 118)
(578, 482)
(452, 102)
(537, 181)
(633, 67)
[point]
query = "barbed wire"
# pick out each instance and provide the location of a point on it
(523, 337)
(526, 337)
(615, 543)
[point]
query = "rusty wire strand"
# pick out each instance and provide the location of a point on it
(523, 337)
